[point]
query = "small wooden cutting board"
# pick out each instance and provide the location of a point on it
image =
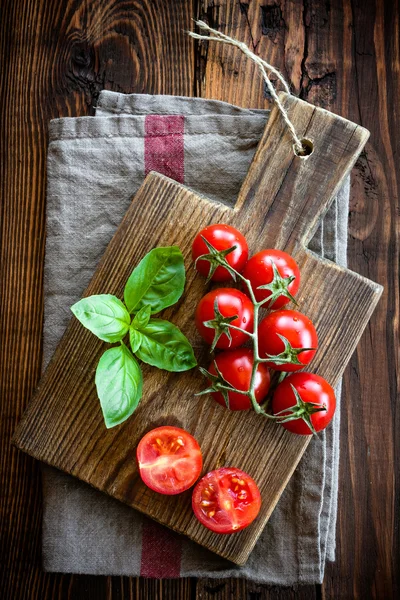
(279, 206)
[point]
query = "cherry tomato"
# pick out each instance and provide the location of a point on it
(226, 500)
(230, 302)
(169, 460)
(236, 367)
(221, 237)
(296, 328)
(311, 389)
(259, 270)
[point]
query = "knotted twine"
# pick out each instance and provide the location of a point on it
(298, 148)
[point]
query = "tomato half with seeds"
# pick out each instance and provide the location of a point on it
(221, 237)
(217, 309)
(298, 330)
(260, 271)
(236, 367)
(226, 500)
(310, 397)
(169, 460)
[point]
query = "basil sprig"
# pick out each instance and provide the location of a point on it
(156, 283)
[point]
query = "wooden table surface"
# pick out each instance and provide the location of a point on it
(56, 56)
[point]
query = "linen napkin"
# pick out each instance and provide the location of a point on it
(95, 165)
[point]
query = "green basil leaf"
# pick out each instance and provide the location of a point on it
(158, 280)
(142, 317)
(119, 383)
(104, 315)
(135, 339)
(164, 346)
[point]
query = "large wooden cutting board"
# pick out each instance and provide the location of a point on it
(279, 205)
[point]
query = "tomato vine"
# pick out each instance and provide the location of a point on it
(289, 356)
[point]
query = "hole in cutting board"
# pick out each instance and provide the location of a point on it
(307, 148)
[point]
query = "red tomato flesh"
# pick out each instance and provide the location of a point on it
(296, 328)
(259, 271)
(226, 500)
(236, 367)
(169, 460)
(221, 237)
(230, 302)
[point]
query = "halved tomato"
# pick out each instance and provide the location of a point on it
(169, 460)
(226, 500)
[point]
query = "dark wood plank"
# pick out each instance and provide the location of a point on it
(368, 554)
(124, 588)
(56, 55)
(232, 589)
(344, 56)
(332, 51)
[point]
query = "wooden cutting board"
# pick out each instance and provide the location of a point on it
(280, 204)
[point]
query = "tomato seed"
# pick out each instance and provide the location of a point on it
(211, 513)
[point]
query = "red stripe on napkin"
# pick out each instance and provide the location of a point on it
(163, 146)
(161, 552)
(164, 153)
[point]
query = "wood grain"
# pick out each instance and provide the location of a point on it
(344, 56)
(278, 206)
(56, 55)
(222, 589)
(340, 55)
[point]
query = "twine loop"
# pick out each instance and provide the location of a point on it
(263, 66)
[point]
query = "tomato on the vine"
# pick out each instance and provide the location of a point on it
(226, 500)
(310, 397)
(221, 237)
(216, 311)
(299, 332)
(276, 270)
(169, 460)
(236, 367)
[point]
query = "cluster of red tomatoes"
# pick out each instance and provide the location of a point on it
(287, 339)
(170, 461)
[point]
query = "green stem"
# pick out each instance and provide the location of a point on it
(248, 284)
(230, 389)
(255, 349)
(254, 336)
(241, 330)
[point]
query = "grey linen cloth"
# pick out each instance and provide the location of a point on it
(95, 165)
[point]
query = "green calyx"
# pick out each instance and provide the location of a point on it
(216, 258)
(218, 384)
(220, 324)
(289, 356)
(301, 410)
(279, 286)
